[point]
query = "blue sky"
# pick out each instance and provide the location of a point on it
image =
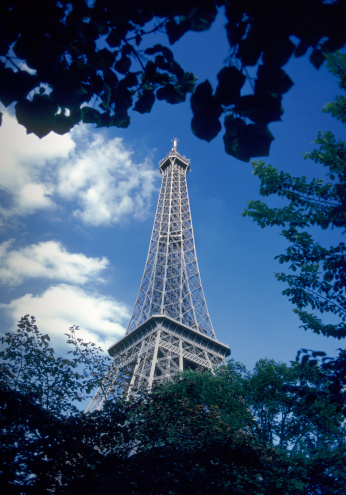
(76, 214)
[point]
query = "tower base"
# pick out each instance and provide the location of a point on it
(155, 352)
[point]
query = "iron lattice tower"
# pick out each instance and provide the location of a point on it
(170, 329)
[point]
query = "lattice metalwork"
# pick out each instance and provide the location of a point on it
(170, 328)
(155, 352)
(171, 283)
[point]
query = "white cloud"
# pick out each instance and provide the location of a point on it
(23, 166)
(101, 319)
(96, 177)
(48, 260)
(105, 182)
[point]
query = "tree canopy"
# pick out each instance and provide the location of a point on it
(74, 61)
(274, 430)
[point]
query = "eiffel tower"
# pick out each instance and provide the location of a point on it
(170, 329)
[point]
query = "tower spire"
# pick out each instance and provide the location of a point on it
(170, 328)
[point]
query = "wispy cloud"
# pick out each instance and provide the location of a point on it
(101, 319)
(95, 178)
(49, 260)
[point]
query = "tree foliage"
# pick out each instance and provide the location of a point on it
(275, 430)
(30, 367)
(74, 61)
(319, 273)
(317, 278)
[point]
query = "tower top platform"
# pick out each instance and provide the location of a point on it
(173, 154)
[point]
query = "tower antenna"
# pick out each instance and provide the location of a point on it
(175, 144)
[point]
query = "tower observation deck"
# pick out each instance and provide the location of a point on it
(170, 328)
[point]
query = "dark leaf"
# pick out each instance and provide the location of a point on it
(63, 124)
(154, 49)
(258, 139)
(301, 49)
(36, 115)
(318, 353)
(250, 48)
(145, 101)
(201, 18)
(272, 80)
(234, 138)
(205, 128)
(231, 80)
(261, 109)
(121, 96)
(169, 93)
(114, 39)
(166, 52)
(90, 115)
(189, 82)
(175, 31)
(317, 58)
(120, 119)
(106, 97)
(110, 77)
(207, 110)
(203, 103)
(104, 119)
(279, 51)
(15, 85)
(130, 80)
(123, 65)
